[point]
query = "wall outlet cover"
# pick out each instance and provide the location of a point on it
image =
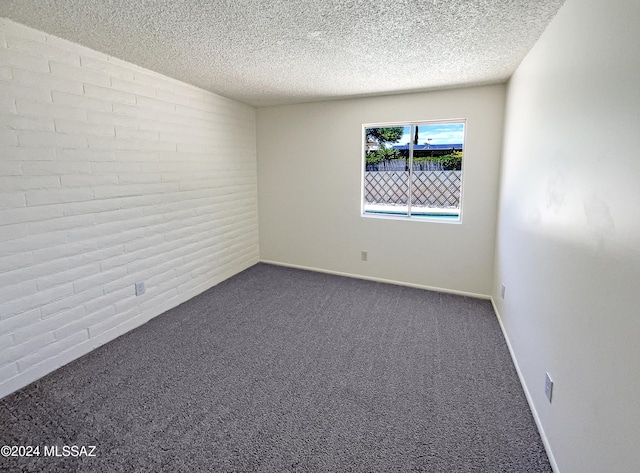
(548, 386)
(140, 288)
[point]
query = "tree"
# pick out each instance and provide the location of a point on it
(383, 136)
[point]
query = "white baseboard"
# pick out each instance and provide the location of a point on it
(536, 418)
(373, 278)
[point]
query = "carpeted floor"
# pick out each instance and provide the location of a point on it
(283, 370)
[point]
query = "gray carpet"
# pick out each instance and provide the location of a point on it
(283, 370)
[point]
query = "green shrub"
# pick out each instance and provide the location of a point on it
(449, 162)
(382, 155)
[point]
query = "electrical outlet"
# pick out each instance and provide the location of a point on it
(548, 386)
(140, 288)
(363, 255)
(502, 290)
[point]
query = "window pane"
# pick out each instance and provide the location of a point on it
(437, 170)
(386, 173)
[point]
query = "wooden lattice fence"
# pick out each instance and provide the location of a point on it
(435, 189)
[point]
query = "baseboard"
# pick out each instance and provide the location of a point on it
(51, 364)
(373, 278)
(536, 418)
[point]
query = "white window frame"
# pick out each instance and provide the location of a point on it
(445, 217)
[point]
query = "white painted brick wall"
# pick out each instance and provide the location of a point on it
(109, 174)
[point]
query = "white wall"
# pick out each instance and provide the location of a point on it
(109, 174)
(309, 178)
(568, 244)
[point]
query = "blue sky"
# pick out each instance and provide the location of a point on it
(441, 133)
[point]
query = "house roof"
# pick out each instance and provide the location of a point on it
(426, 147)
(279, 51)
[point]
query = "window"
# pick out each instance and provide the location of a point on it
(413, 170)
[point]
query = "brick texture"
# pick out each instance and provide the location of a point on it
(110, 174)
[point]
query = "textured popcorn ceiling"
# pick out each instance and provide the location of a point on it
(276, 52)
